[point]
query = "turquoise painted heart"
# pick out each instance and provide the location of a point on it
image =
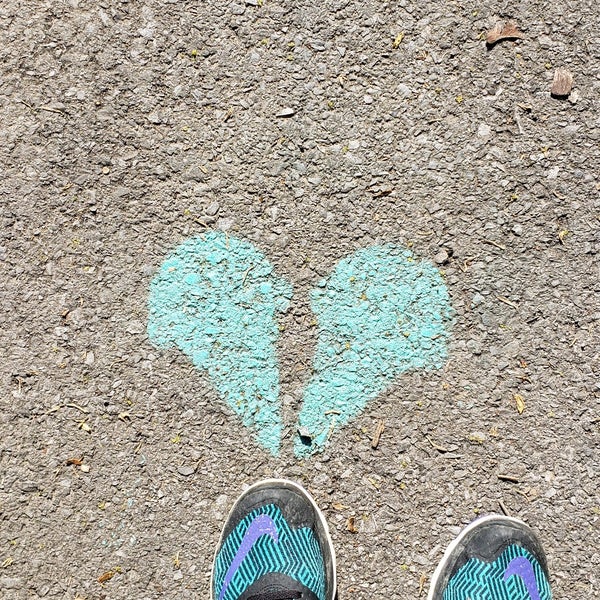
(380, 313)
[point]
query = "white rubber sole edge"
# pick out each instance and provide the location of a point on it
(461, 536)
(298, 488)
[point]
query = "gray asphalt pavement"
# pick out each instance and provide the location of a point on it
(312, 131)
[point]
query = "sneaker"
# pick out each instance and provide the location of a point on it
(494, 558)
(275, 546)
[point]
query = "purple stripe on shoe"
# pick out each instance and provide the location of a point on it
(261, 525)
(522, 567)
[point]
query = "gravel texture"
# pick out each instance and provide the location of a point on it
(311, 130)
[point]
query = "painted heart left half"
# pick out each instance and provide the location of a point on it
(215, 298)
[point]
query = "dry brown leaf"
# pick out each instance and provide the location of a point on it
(503, 31)
(422, 581)
(520, 402)
(562, 84)
(511, 478)
(377, 434)
(109, 575)
(351, 525)
(507, 301)
(106, 576)
(84, 427)
(75, 461)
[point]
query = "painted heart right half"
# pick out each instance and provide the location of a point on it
(381, 312)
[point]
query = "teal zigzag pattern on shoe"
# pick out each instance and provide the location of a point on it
(479, 580)
(294, 553)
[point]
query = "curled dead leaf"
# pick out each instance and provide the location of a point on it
(286, 113)
(351, 525)
(84, 426)
(377, 435)
(109, 575)
(520, 402)
(398, 40)
(503, 31)
(562, 84)
(422, 581)
(106, 576)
